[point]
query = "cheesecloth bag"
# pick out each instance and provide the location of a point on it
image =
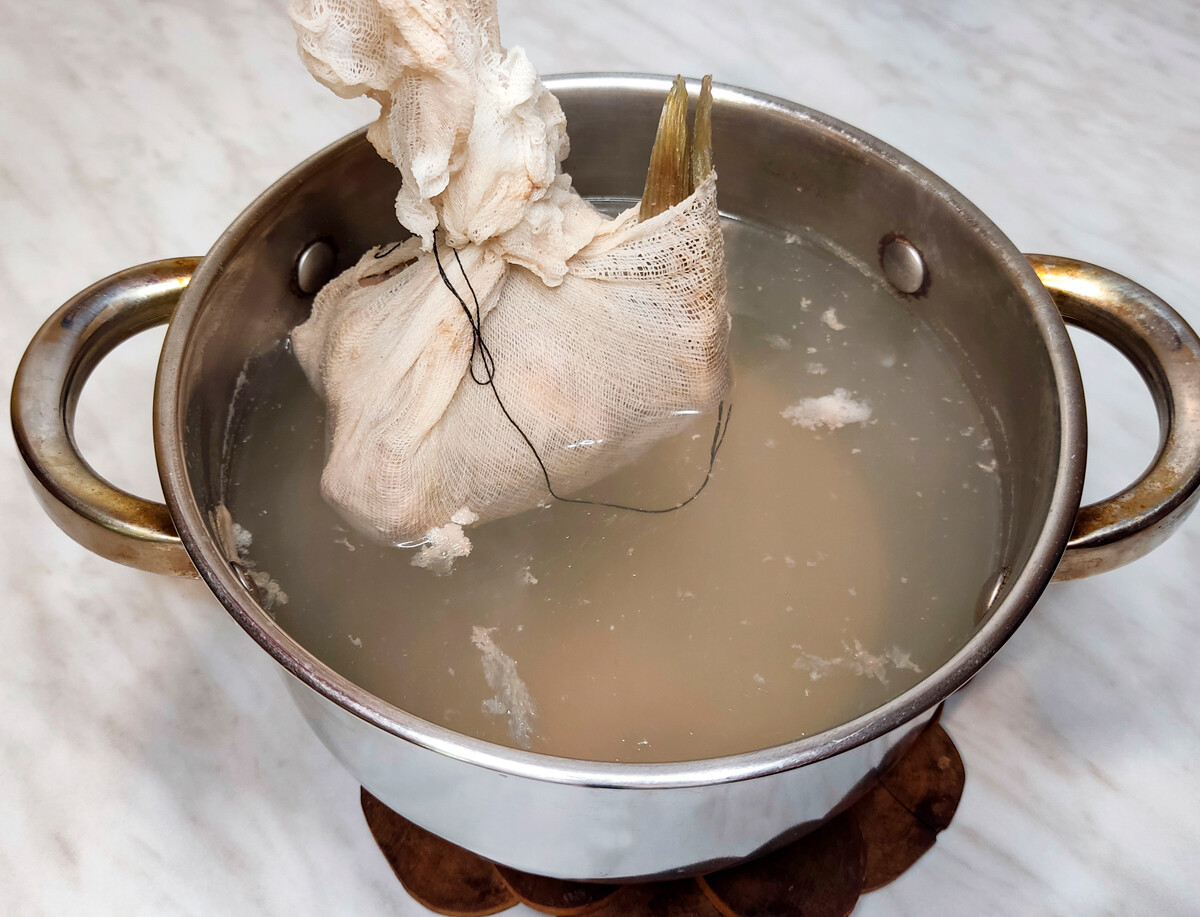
(520, 344)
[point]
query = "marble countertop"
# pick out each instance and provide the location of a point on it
(150, 761)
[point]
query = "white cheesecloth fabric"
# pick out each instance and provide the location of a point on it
(602, 330)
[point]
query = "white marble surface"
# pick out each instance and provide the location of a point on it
(149, 759)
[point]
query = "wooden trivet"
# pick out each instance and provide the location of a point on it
(820, 875)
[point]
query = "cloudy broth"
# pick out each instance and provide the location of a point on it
(838, 555)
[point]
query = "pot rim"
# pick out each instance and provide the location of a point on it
(1027, 584)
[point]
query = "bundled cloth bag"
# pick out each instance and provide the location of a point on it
(520, 343)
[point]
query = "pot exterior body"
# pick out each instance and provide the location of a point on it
(570, 831)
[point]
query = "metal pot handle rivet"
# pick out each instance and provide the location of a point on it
(315, 266)
(1166, 351)
(903, 265)
(59, 359)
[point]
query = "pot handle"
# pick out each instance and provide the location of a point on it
(101, 517)
(1166, 351)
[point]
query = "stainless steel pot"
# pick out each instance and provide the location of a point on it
(780, 164)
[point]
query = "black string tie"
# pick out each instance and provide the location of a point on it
(486, 375)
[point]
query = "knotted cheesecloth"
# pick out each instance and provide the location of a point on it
(520, 342)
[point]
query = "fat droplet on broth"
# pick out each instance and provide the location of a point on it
(659, 638)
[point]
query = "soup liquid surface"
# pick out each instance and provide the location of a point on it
(824, 570)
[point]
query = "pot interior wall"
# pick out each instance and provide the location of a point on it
(778, 167)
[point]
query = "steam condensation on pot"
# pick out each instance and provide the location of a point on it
(520, 343)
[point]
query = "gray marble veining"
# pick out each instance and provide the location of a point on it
(150, 761)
